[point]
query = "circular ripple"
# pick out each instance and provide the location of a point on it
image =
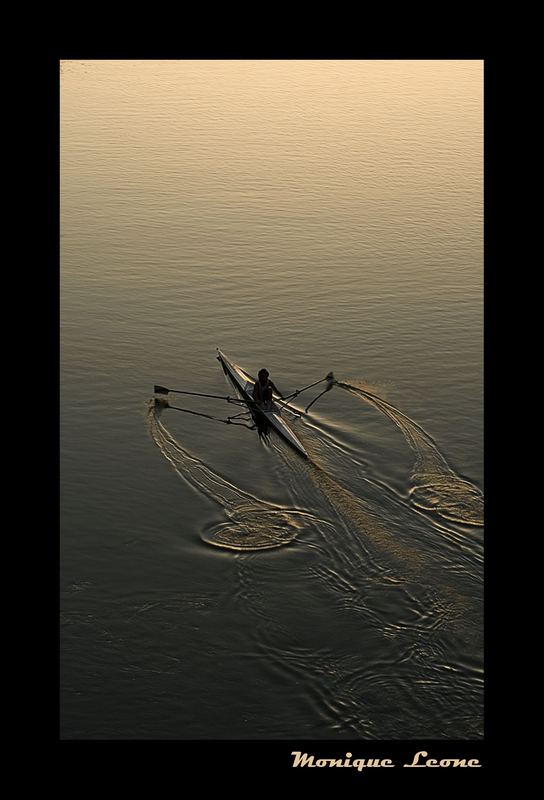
(250, 528)
(455, 500)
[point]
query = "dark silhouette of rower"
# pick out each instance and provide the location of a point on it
(262, 390)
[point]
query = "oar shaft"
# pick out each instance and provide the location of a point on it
(164, 390)
(197, 394)
(310, 386)
(227, 421)
(327, 377)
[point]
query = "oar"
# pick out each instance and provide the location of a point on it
(227, 421)
(330, 384)
(329, 377)
(164, 390)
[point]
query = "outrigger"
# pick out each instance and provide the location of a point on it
(271, 417)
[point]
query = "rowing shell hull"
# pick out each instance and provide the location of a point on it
(244, 383)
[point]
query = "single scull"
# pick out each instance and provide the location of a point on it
(244, 384)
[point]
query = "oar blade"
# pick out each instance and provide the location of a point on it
(161, 390)
(161, 402)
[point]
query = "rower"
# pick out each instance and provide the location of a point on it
(262, 390)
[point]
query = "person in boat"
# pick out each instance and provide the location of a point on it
(262, 390)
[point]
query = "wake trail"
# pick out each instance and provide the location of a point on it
(436, 487)
(250, 523)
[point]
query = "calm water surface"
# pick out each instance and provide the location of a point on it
(306, 216)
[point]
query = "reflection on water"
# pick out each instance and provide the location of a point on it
(304, 216)
(393, 587)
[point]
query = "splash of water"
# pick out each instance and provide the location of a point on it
(435, 486)
(251, 523)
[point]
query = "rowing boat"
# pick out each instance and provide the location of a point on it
(244, 384)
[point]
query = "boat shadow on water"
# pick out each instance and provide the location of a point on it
(262, 426)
